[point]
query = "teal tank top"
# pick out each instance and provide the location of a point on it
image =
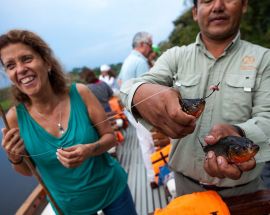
(93, 185)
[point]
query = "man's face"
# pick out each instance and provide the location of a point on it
(219, 19)
(146, 48)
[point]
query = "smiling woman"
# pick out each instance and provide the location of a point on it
(59, 126)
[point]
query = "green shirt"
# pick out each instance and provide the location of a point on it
(93, 185)
(243, 71)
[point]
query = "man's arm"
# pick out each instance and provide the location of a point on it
(152, 97)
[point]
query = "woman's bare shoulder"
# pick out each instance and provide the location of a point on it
(11, 116)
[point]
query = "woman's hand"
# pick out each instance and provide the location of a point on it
(13, 144)
(75, 155)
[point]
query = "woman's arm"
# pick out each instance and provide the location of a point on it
(75, 155)
(99, 119)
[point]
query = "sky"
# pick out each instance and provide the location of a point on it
(90, 32)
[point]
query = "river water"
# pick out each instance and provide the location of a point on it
(14, 188)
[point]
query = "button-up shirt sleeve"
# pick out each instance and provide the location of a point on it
(162, 73)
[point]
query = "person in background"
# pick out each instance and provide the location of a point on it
(135, 65)
(155, 53)
(105, 75)
(59, 126)
(240, 108)
(108, 76)
(99, 88)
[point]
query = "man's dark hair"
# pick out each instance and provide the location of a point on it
(195, 3)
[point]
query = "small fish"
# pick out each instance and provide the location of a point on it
(235, 149)
(195, 107)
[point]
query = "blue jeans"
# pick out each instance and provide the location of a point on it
(123, 205)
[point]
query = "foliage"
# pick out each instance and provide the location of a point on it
(255, 26)
(6, 104)
(5, 98)
(4, 93)
(74, 74)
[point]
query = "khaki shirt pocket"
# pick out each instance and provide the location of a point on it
(237, 97)
(188, 86)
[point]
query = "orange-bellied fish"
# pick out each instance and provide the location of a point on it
(235, 149)
(195, 107)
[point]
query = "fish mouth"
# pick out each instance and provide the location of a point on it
(255, 148)
(245, 155)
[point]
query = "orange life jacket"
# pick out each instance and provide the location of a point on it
(159, 158)
(117, 108)
(199, 203)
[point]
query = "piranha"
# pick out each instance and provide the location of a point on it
(195, 107)
(235, 149)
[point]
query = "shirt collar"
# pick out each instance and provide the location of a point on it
(139, 54)
(234, 43)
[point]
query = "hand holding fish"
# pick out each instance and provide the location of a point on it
(228, 154)
(166, 113)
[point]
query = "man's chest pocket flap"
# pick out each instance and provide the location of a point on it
(247, 82)
(187, 81)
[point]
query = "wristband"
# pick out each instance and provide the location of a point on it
(240, 131)
(17, 162)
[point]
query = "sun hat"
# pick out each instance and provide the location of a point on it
(104, 68)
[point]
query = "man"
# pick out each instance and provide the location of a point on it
(135, 65)
(240, 108)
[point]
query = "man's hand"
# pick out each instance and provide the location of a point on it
(160, 106)
(219, 166)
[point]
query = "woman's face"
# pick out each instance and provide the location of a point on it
(25, 68)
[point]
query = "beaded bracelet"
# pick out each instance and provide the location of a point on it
(17, 162)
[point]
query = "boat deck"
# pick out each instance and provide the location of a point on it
(129, 155)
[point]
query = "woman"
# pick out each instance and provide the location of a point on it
(60, 128)
(99, 88)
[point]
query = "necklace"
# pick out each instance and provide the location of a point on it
(59, 124)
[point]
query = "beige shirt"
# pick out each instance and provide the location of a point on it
(243, 71)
